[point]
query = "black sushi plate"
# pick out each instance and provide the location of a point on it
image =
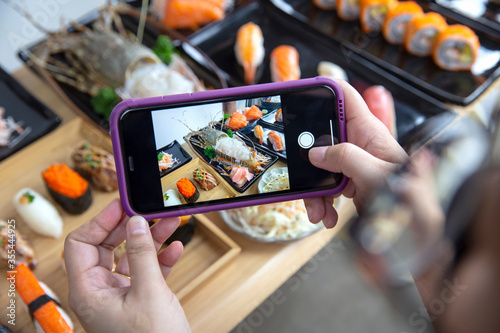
(413, 106)
(83, 100)
(224, 174)
(459, 88)
(175, 149)
(480, 14)
(248, 132)
(26, 109)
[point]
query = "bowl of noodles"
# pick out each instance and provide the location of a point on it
(278, 222)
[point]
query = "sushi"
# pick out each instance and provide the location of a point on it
(373, 13)
(166, 161)
(422, 31)
(240, 175)
(279, 116)
(274, 140)
(68, 188)
(39, 214)
(253, 113)
(41, 301)
(170, 198)
(8, 242)
(348, 10)
(285, 64)
(456, 48)
(394, 27)
(331, 71)
(188, 14)
(237, 121)
(206, 181)
(249, 50)
(96, 165)
(187, 189)
(258, 131)
(326, 4)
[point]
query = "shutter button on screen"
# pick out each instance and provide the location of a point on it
(306, 140)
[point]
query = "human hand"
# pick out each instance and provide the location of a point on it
(367, 158)
(107, 301)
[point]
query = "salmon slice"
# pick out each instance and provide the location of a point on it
(249, 49)
(253, 113)
(237, 121)
(191, 14)
(275, 140)
(285, 64)
(258, 131)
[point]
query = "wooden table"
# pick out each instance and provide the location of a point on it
(229, 295)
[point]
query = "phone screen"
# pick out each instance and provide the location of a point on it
(231, 149)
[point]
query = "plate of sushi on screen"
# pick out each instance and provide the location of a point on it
(171, 157)
(436, 53)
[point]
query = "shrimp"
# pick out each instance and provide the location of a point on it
(249, 49)
(275, 141)
(285, 64)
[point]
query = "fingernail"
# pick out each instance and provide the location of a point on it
(137, 225)
(317, 154)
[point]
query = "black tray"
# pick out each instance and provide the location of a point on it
(175, 149)
(265, 126)
(217, 40)
(480, 14)
(455, 87)
(22, 106)
(223, 173)
(83, 100)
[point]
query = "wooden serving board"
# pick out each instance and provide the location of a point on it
(209, 250)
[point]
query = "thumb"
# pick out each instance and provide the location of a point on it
(352, 161)
(142, 257)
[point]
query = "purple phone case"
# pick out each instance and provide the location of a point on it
(212, 94)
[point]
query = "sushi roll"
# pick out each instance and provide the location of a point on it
(68, 188)
(206, 181)
(373, 13)
(39, 214)
(394, 27)
(170, 198)
(41, 301)
(24, 251)
(348, 10)
(326, 4)
(285, 64)
(249, 50)
(422, 31)
(456, 48)
(188, 190)
(96, 165)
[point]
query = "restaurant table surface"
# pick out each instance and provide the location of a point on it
(229, 295)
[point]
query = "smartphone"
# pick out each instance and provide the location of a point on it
(222, 149)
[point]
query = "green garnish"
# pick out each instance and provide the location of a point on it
(85, 145)
(165, 197)
(209, 152)
(94, 164)
(229, 133)
(29, 197)
(88, 158)
(105, 100)
(160, 156)
(226, 116)
(264, 111)
(164, 49)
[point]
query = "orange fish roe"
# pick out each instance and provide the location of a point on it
(186, 188)
(65, 181)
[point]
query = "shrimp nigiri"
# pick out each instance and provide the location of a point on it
(275, 141)
(285, 64)
(253, 113)
(258, 131)
(237, 121)
(249, 49)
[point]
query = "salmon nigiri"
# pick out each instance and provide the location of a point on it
(249, 49)
(279, 116)
(258, 131)
(253, 113)
(189, 14)
(285, 64)
(275, 141)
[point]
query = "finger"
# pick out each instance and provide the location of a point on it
(160, 232)
(315, 209)
(381, 104)
(114, 239)
(331, 216)
(354, 103)
(80, 247)
(169, 257)
(141, 254)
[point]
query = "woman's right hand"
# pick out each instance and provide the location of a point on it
(370, 154)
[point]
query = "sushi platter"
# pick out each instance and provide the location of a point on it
(460, 87)
(27, 117)
(209, 250)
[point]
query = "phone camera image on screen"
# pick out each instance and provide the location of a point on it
(229, 149)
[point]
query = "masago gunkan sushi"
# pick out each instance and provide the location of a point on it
(68, 188)
(38, 213)
(397, 19)
(456, 48)
(188, 191)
